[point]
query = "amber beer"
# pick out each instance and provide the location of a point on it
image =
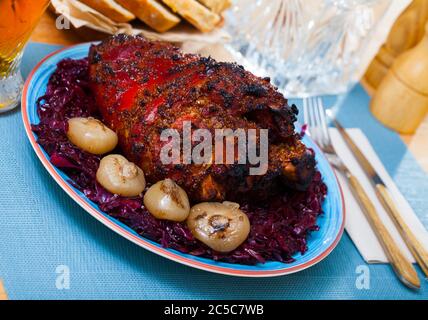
(17, 20)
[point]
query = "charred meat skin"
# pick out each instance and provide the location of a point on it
(143, 87)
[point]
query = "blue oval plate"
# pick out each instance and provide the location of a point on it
(320, 243)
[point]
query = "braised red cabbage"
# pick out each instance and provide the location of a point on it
(279, 227)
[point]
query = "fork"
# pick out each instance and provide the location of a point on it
(315, 118)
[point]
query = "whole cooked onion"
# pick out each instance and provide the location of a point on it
(221, 226)
(118, 175)
(91, 135)
(167, 200)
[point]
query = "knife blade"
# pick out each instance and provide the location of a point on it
(386, 199)
(361, 158)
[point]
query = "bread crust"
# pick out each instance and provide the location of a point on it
(195, 13)
(110, 9)
(152, 13)
(217, 6)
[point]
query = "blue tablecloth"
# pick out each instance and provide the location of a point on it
(41, 228)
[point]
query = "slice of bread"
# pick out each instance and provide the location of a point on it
(217, 6)
(152, 13)
(110, 9)
(194, 12)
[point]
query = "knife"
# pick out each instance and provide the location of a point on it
(3, 294)
(386, 199)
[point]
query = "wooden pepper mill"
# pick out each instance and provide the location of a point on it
(406, 33)
(401, 100)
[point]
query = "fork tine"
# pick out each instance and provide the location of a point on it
(323, 123)
(315, 120)
(314, 117)
(305, 112)
(308, 117)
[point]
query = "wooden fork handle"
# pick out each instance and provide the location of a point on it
(402, 267)
(414, 245)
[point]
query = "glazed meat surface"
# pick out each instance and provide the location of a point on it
(143, 87)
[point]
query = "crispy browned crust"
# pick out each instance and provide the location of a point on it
(143, 87)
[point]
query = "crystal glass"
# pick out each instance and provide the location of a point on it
(17, 20)
(307, 47)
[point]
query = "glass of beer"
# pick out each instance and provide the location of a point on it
(17, 20)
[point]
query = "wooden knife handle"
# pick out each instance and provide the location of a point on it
(414, 245)
(402, 267)
(3, 294)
